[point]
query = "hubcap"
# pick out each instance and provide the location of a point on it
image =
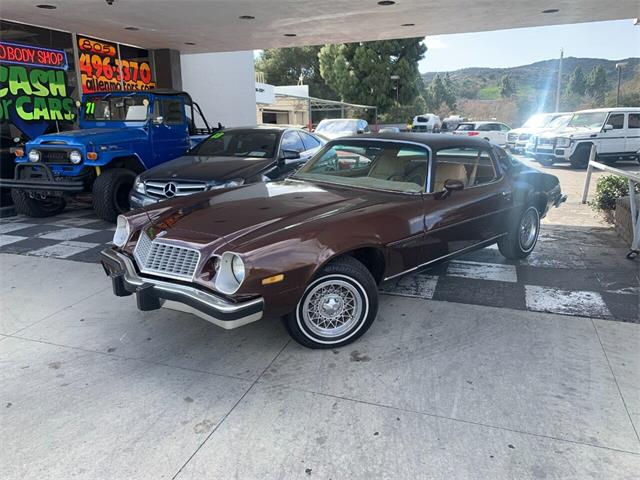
(528, 229)
(332, 308)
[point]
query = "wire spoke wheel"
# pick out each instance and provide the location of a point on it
(332, 308)
(528, 230)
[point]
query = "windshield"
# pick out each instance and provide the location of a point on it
(559, 122)
(466, 126)
(242, 143)
(537, 121)
(588, 120)
(107, 108)
(370, 164)
(336, 126)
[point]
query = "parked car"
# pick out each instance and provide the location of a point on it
(315, 246)
(389, 130)
(331, 128)
(120, 135)
(615, 132)
(449, 124)
(228, 158)
(517, 138)
(427, 122)
(557, 124)
(494, 132)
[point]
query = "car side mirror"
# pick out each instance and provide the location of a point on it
(451, 185)
(290, 155)
(607, 127)
(158, 120)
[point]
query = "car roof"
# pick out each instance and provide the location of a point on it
(612, 109)
(435, 141)
(266, 128)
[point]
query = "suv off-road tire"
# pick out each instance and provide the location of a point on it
(111, 193)
(580, 157)
(512, 245)
(36, 208)
(343, 275)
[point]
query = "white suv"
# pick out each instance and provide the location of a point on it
(518, 137)
(614, 131)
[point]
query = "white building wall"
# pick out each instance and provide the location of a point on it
(223, 84)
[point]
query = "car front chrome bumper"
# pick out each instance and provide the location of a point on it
(152, 294)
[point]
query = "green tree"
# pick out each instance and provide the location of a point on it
(361, 72)
(439, 93)
(597, 84)
(286, 66)
(577, 82)
(507, 87)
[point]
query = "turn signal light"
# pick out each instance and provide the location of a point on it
(473, 134)
(273, 279)
(19, 152)
(92, 156)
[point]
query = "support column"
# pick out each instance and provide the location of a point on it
(168, 73)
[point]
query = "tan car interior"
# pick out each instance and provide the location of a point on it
(410, 169)
(471, 171)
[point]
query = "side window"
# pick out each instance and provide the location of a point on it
(485, 127)
(617, 120)
(291, 141)
(634, 120)
(309, 141)
(504, 127)
(472, 166)
(172, 112)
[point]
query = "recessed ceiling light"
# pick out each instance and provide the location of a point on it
(46, 7)
(408, 25)
(189, 43)
(132, 29)
(290, 35)
(246, 17)
(551, 10)
(386, 3)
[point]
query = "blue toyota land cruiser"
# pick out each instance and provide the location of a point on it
(120, 135)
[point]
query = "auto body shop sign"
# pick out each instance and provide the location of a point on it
(33, 84)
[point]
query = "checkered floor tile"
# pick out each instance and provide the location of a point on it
(572, 271)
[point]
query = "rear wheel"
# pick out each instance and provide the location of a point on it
(111, 193)
(580, 158)
(37, 207)
(522, 236)
(337, 307)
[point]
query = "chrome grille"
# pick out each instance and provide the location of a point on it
(512, 137)
(170, 189)
(546, 141)
(524, 136)
(165, 259)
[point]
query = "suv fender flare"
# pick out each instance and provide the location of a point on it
(121, 159)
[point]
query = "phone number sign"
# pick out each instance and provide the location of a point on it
(102, 70)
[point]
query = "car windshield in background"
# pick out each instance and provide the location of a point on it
(370, 164)
(238, 144)
(338, 126)
(466, 127)
(108, 108)
(588, 120)
(559, 122)
(537, 121)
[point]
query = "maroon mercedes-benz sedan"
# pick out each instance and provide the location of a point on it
(314, 247)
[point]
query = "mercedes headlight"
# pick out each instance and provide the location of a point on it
(34, 156)
(75, 157)
(563, 142)
(123, 231)
(231, 273)
(138, 185)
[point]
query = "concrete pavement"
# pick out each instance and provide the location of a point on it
(93, 388)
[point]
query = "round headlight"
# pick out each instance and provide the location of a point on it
(230, 274)
(138, 185)
(237, 268)
(34, 156)
(123, 231)
(75, 156)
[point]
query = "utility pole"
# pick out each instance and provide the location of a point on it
(558, 87)
(397, 80)
(619, 67)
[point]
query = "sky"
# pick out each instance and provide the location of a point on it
(509, 48)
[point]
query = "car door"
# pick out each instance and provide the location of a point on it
(632, 143)
(612, 140)
(169, 130)
(461, 219)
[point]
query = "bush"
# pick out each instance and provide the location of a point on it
(608, 190)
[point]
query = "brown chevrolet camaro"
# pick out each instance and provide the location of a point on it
(314, 247)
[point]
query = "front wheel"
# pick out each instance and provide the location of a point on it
(111, 193)
(580, 157)
(337, 307)
(522, 236)
(37, 207)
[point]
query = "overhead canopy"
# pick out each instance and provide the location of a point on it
(215, 26)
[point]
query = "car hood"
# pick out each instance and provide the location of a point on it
(96, 136)
(208, 169)
(570, 132)
(243, 214)
(332, 135)
(527, 130)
